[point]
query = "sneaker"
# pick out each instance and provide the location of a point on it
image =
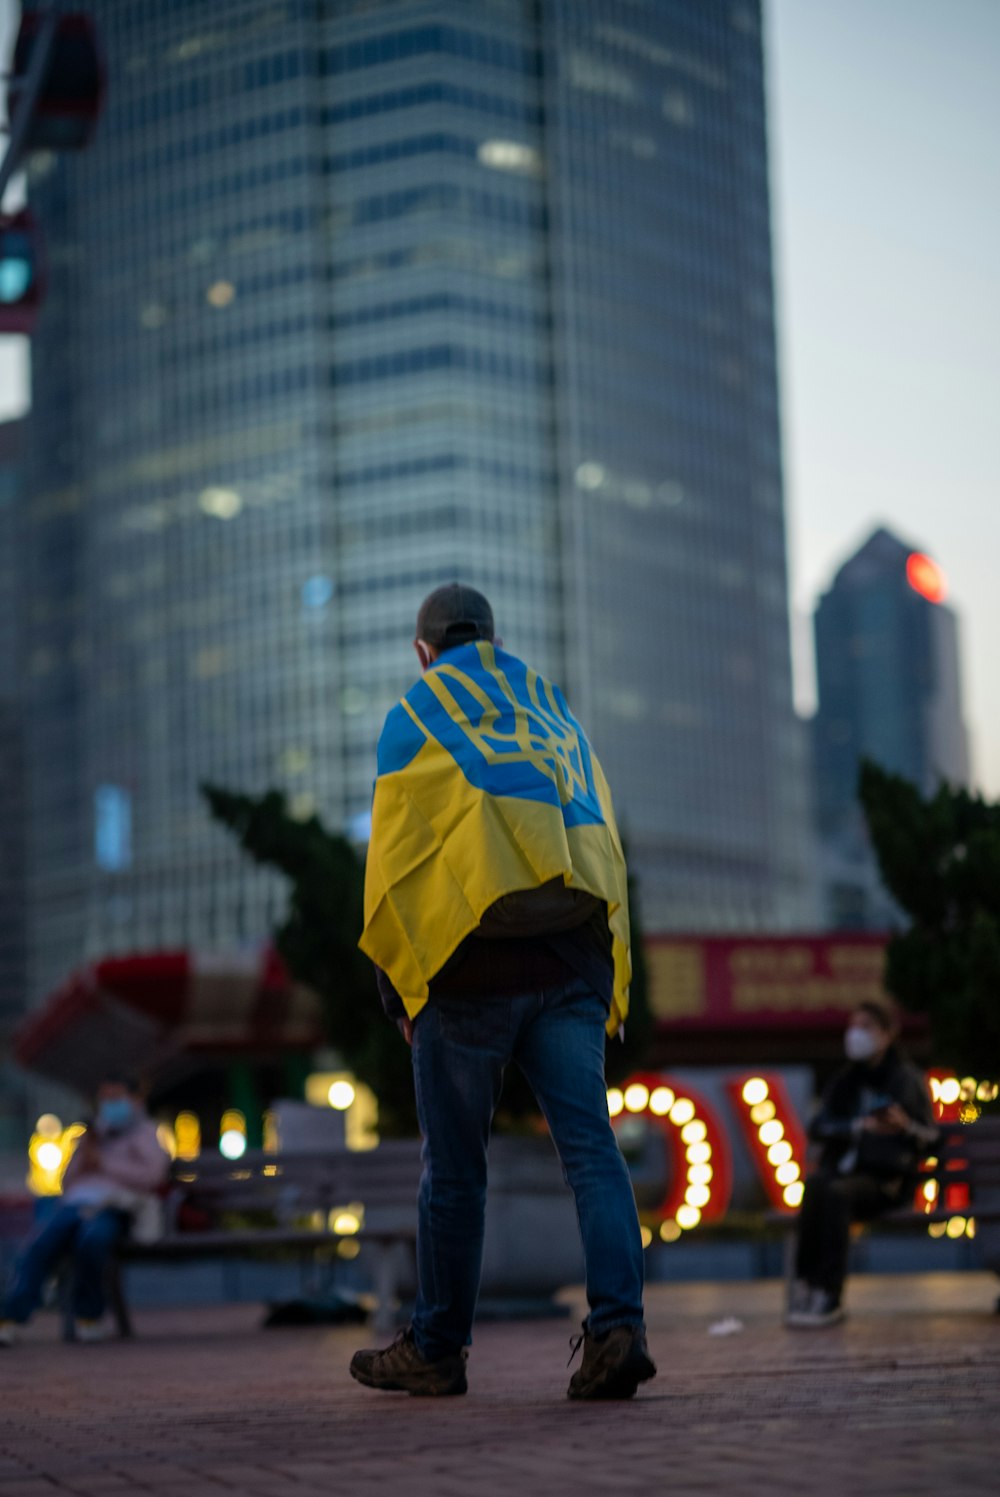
(91, 1330)
(401, 1369)
(8, 1333)
(799, 1295)
(821, 1309)
(613, 1364)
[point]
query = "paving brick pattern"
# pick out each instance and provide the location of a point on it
(903, 1399)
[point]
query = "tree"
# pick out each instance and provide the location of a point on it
(319, 941)
(940, 860)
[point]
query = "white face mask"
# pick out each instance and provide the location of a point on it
(860, 1044)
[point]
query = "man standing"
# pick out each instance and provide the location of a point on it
(496, 914)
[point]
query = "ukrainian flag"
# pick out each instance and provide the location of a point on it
(486, 785)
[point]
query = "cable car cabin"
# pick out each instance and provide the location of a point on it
(72, 92)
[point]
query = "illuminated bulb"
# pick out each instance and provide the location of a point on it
(763, 1112)
(967, 1089)
(682, 1111)
(48, 1125)
(935, 1086)
(688, 1217)
(49, 1156)
(697, 1195)
(930, 1190)
(779, 1153)
(950, 1091)
(787, 1174)
(341, 1095)
(956, 1226)
(936, 1229)
(700, 1174)
(661, 1100)
(771, 1132)
(232, 1144)
(699, 1153)
(669, 1231)
(615, 1102)
(646, 1236)
(970, 1227)
(754, 1090)
(636, 1097)
(348, 1248)
(345, 1224)
(695, 1132)
(792, 1194)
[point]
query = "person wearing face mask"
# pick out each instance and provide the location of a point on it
(109, 1182)
(873, 1126)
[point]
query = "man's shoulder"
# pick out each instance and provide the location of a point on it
(400, 740)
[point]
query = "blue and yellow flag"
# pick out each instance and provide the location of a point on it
(486, 785)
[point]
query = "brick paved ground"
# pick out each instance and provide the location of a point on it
(903, 1399)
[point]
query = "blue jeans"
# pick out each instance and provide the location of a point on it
(89, 1238)
(460, 1048)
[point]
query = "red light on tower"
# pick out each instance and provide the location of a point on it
(926, 577)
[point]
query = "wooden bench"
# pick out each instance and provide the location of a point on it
(289, 1201)
(966, 1171)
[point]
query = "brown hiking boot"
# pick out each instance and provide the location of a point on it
(613, 1364)
(401, 1369)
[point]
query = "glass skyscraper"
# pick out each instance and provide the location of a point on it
(888, 677)
(889, 685)
(348, 299)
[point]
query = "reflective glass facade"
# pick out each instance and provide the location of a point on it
(351, 298)
(889, 684)
(670, 456)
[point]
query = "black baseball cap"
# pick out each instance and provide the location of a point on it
(454, 615)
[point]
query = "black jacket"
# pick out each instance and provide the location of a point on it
(853, 1094)
(486, 967)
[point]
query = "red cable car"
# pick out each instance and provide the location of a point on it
(71, 96)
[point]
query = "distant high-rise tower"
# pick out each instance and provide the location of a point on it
(350, 299)
(889, 684)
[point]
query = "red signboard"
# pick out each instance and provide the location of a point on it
(762, 982)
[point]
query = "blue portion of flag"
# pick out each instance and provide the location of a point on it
(509, 731)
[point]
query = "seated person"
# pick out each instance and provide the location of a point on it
(873, 1126)
(114, 1172)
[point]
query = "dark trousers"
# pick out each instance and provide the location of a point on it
(829, 1205)
(90, 1239)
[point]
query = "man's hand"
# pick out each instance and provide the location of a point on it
(405, 1027)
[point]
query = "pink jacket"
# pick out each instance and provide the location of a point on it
(132, 1161)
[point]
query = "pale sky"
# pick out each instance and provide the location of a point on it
(885, 141)
(885, 144)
